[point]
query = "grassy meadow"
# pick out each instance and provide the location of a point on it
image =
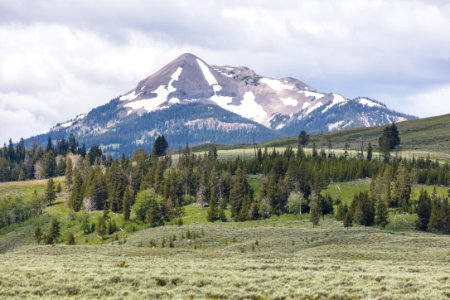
(283, 257)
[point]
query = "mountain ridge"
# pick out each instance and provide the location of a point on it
(241, 103)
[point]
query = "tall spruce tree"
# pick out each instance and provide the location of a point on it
(50, 193)
(160, 146)
(369, 152)
(303, 139)
(53, 232)
(213, 199)
(127, 202)
(315, 211)
(68, 173)
(77, 194)
(423, 211)
(403, 188)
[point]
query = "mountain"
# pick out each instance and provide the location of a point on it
(192, 102)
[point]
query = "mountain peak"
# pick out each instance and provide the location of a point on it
(189, 100)
(184, 59)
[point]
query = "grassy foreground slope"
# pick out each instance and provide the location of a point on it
(282, 257)
(271, 259)
(422, 137)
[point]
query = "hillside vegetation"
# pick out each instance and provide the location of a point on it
(282, 257)
(419, 138)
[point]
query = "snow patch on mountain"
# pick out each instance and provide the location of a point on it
(162, 94)
(129, 96)
(336, 100)
(313, 108)
(369, 103)
(276, 85)
(69, 123)
(289, 101)
(209, 77)
(315, 95)
(335, 126)
(248, 107)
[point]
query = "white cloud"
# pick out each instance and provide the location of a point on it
(435, 101)
(58, 59)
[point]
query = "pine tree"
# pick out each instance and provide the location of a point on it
(381, 212)
(49, 147)
(303, 139)
(49, 164)
(72, 144)
(423, 211)
(68, 173)
(77, 195)
(53, 232)
(98, 190)
(222, 207)
(315, 211)
(38, 234)
(83, 151)
(160, 146)
(71, 239)
(241, 196)
(50, 194)
(58, 188)
(403, 188)
(212, 209)
(369, 152)
(127, 202)
(348, 219)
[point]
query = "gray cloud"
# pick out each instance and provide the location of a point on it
(61, 58)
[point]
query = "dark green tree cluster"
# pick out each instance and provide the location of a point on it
(433, 213)
(389, 140)
(19, 163)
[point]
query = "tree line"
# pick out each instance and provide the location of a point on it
(18, 163)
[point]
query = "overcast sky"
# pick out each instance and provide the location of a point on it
(62, 58)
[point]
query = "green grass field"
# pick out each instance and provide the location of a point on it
(283, 257)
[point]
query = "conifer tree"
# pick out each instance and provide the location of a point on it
(71, 239)
(83, 151)
(160, 146)
(53, 232)
(38, 234)
(241, 196)
(222, 207)
(98, 190)
(50, 194)
(348, 219)
(49, 164)
(49, 147)
(381, 212)
(127, 202)
(303, 139)
(213, 201)
(77, 195)
(369, 152)
(68, 173)
(315, 211)
(403, 188)
(423, 211)
(72, 144)
(58, 188)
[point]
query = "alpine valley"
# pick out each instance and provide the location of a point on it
(192, 102)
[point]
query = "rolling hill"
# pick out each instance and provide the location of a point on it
(421, 137)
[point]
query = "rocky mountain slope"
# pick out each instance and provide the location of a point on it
(192, 102)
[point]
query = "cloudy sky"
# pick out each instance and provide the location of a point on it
(62, 58)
